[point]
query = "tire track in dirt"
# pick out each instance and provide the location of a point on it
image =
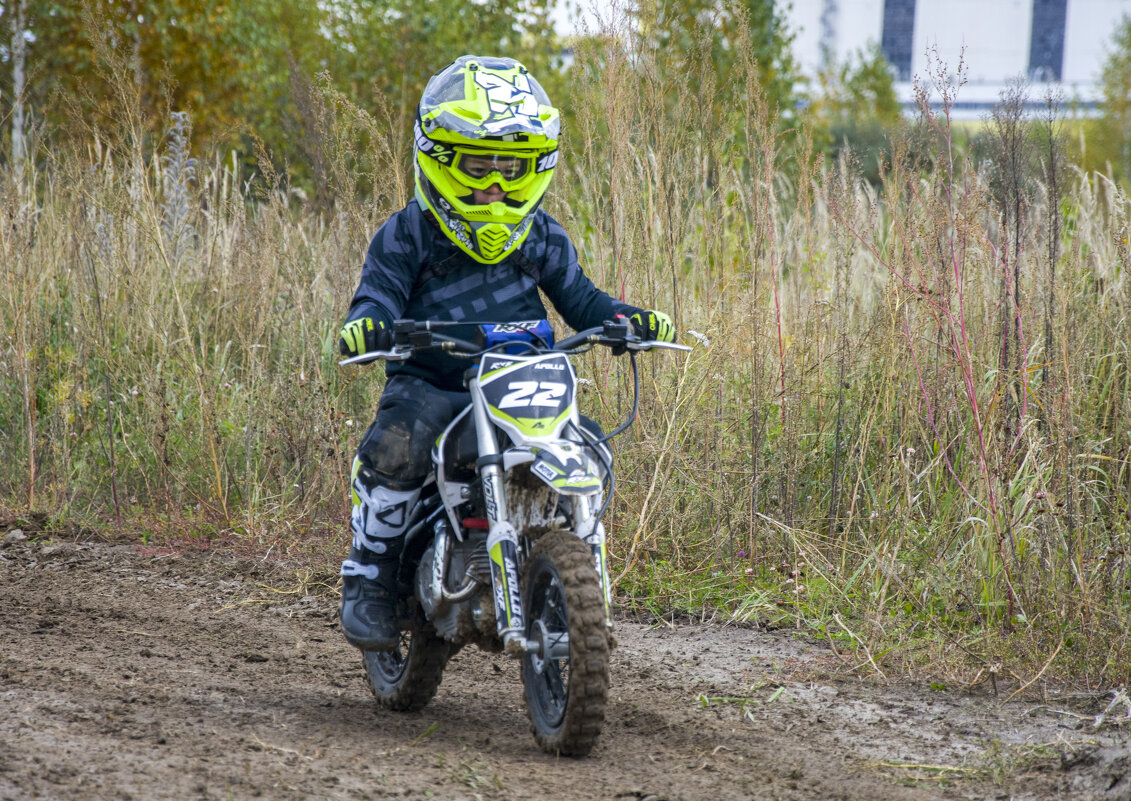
(131, 675)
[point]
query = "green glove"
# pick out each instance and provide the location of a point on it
(653, 325)
(364, 336)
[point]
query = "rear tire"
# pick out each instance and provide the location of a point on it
(565, 696)
(406, 678)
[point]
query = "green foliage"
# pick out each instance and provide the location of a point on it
(238, 68)
(856, 109)
(1106, 141)
(1116, 75)
(243, 71)
(388, 50)
(726, 32)
(224, 63)
(861, 87)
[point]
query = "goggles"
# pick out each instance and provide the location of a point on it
(481, 170)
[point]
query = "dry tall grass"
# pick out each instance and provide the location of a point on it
(906, 423)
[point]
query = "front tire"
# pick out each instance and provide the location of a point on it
(406, 678)
(565, 695)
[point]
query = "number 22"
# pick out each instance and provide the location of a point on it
(532, 393)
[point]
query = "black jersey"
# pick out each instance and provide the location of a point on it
(412, 271)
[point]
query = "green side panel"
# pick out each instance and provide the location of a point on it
(496, 555)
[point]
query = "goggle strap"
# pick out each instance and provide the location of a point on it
(437, 151)
(547, 161)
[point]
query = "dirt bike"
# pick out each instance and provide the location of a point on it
(505, 547)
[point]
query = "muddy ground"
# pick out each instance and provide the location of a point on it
(127, 674)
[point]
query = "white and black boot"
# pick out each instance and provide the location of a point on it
(369, 573)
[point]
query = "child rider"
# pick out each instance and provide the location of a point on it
(473, 244)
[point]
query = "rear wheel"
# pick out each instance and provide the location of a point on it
(406, 678)
(567, 680)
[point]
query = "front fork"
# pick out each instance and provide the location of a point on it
(502, 539)
(592, 530)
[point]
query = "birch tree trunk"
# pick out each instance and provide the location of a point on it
(19, 54)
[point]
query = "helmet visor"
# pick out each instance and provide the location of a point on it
(481, 170)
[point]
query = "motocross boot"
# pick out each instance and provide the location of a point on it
(369, 601)
(369, 573)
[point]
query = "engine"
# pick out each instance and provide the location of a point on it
(459, 620)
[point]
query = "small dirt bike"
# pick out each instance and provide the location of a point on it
(505, 547)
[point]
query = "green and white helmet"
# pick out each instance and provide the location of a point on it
(484, 121)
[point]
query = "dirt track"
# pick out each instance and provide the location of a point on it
(133, 675)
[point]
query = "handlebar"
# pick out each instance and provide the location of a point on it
(412, 336)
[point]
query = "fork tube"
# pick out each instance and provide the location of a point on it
(489, 470)
(593, 532)
(502, 539)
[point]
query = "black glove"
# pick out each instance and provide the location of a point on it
(364, 336)
(653, 325)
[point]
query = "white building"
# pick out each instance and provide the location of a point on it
(1058, 44)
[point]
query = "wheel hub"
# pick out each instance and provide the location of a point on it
(552, 645)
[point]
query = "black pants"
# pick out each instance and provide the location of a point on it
(410, 416)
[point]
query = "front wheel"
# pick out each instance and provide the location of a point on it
(406, 678)
(567, 680)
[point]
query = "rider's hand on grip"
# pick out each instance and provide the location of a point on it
(653, 325)
(364, 336)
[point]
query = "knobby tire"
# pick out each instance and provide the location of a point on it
(406, 679)
(574, 731)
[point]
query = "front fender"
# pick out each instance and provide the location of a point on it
(566, 468)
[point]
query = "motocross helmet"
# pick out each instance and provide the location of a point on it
(484, 121)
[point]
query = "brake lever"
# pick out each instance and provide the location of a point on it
(655, 343)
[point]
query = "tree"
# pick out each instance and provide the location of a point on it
(1114, 127)
(385, 50)
(857, 108)
(226, 63)
(18, 14)
(684, 25)
(234, 65)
